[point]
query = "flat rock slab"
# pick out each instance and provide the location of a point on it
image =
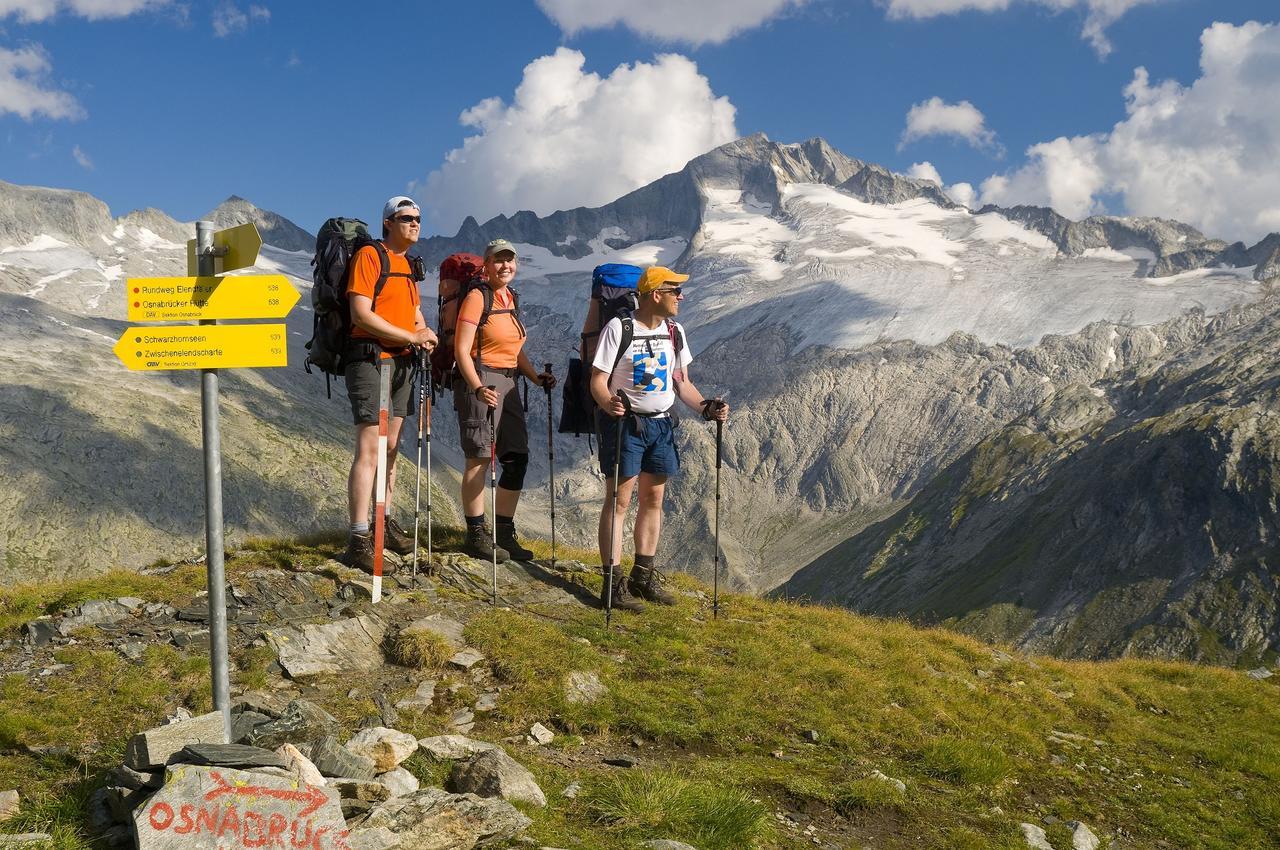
(493, 773)
(345, 646)
(301, 721)
(26, 839)
(583, 687)
(10, 804)
(433, 819)
(454, 747)
(400, 782)
(518, 585)
(467, 658)
(666, 844)
(386, 747)
(153, 748)
(231, 755)
(98, 612)
(450, 630)
(263, 702)
(332, 759)
(215, 808)
(422, 698)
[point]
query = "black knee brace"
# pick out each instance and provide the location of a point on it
(514, 466)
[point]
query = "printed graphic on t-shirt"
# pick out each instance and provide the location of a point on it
(650, 374)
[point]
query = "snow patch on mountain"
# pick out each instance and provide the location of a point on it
(841, 272)
(735, 224)
(906, 231)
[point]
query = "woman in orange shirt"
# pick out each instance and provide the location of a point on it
(490, 353)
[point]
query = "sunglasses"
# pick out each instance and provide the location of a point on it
(407, 219)
(677, 291)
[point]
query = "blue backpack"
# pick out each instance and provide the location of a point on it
(614, 286)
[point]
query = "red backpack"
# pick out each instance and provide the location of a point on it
(457, 273)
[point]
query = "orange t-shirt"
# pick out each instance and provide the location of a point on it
(399, 300)
(501, 335)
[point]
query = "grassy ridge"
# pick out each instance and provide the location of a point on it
(1155, 751)
(1150, 751)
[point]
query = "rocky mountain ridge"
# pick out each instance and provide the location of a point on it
(1133, 516)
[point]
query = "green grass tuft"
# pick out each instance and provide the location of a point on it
(665, 804)
(964, 762)
(419, 648)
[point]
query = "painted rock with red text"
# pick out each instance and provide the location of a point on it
(220, 808)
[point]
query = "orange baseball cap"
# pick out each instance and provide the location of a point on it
(655, 276)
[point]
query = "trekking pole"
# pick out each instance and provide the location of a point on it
(551, 466)
(493, 497)
(385, 366)
(431, 398)
(715, 580)
(417, 485)
(613, 514)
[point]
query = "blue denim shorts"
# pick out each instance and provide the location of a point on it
(648, 445)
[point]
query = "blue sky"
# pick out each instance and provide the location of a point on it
(310, 110)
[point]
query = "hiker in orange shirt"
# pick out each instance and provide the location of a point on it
(392, 324)
(489, 350)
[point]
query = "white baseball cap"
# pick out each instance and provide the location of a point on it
(399, 202)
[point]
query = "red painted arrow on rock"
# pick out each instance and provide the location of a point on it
(313, 796)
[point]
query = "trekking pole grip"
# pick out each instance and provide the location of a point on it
(719, 435)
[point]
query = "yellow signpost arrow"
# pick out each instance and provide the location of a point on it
(153, 348)
(170, 299)
(237, 248)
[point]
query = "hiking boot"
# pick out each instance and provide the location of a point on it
(479, 544)
(359, 555)
(646, 583)
(396, 538)
(507, 540)
(621, 600)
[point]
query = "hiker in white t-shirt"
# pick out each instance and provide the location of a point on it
(640, 368)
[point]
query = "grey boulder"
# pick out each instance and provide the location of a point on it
(493, 773)
(433, 819)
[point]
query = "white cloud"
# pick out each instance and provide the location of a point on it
(1205, 154)
(702, 22)
(1099, 14)
(229, 18)
(24, 87)
(82, 158)
(961, 193)
(964, 194)
(31, 11)
(571, 138)
(925, 171)
(936, 117)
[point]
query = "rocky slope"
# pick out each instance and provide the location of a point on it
(1134, 516)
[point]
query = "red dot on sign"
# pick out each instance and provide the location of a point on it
(137, 303)
(136, 290)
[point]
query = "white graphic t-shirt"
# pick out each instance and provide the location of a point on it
(646, 372)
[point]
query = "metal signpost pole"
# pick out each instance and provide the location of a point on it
(213, 505)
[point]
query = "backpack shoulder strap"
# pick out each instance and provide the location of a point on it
(677, 344)
(384, 260)
(624, 342)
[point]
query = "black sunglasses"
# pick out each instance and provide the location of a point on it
(674, 290)
(405, 219)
